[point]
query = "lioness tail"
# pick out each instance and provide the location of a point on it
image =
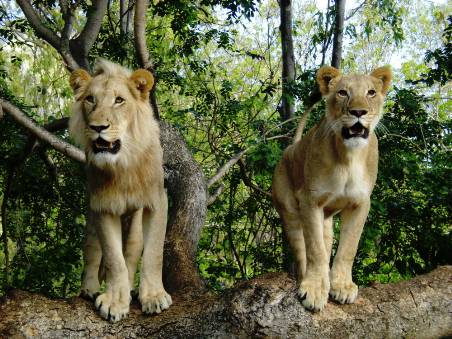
(302, 125)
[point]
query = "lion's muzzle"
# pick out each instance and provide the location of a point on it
(102, 145)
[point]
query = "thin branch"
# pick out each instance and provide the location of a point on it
(247, 181)
(49, 163)
(221, 172)
(42, 134)
(326, 40)
(355, 10)
(37, 24)
(213, 197)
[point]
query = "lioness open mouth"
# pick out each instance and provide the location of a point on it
(101, 145)
(356, 131)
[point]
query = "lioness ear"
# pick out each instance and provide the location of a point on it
(143, 81)
(79, 78)
(324, 76)
(385, 75)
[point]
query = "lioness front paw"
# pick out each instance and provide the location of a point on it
(113, 305)
(155, 302)
(314, 292)
(344, 291)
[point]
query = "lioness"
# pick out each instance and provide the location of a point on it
(114, 123)
(332, 169)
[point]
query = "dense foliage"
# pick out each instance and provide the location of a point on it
(218, 71)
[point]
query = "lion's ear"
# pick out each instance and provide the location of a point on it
(79, 78)
(385, 75)
(324, 75)
(143, 81)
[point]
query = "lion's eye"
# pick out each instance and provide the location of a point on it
(90, 99)
(342, 93)
(371, 93)
(119, 100)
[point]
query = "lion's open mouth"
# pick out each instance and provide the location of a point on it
(101, 145)
(356, 131)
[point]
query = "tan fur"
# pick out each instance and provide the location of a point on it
(323, 174)
(129, 183)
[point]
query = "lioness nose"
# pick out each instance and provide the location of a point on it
(357, 113)
(99, 128)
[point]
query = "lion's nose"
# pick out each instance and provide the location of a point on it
(99, 128)
(357, 113)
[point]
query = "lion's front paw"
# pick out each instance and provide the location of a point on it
(155, 302)
(344, 291)
(314, 292)
(113, 305)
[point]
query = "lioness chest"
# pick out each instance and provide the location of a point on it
(344, 185)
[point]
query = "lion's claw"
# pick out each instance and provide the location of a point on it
(155, 303)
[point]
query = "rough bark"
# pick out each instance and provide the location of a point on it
(288, 59)
(187, 193)
(264, 307)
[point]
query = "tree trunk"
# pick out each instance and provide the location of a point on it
(187, 193)
(263, 307)
(288, 59)
(338, 33)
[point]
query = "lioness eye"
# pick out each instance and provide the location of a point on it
(90, 99)
(371, 93)
(342, 93)
(119, 100)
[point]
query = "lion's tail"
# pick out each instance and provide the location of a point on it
(302, 125)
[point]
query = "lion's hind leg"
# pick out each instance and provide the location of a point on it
(294, 233)
(287, 207)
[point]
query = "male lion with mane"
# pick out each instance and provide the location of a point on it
(114, 123)
(331, 170)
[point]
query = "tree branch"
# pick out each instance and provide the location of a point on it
(92, 27)
(48, 35)
(214, 196)
(42, 134)
(247, 181)
(265, 307)
(221, 172)
(355, 10)
(36, 22)
(139, 27)
(338, 33)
